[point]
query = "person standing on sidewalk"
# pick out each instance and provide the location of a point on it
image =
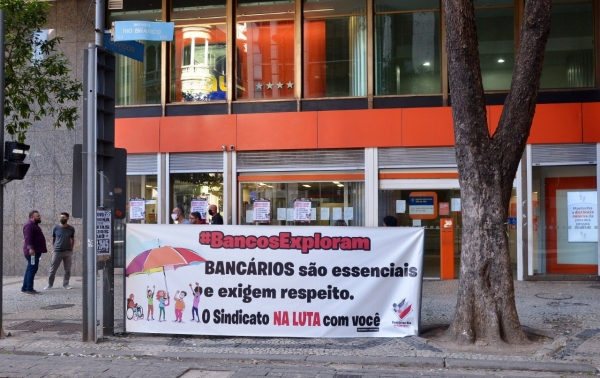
(34, 244)
(63, 240)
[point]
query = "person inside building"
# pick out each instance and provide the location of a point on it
(390, 221)
(196, 218)
(178, 216)
(340, 222)
(214, 212)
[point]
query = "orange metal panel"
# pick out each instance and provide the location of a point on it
(423, 175)
(557, 123)
(591, 122)
(447, 248)
(137, 135)
(277, 131)
(197, 133)
(494, 113)
(360, 128)
(298, 178)
(427, 127)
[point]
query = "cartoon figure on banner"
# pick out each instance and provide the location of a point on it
(162, 259)
(150, 296)
(179, 305)
(134, 311)
(196, 292)
(163, 301)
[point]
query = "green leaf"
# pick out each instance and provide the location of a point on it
(35, 89)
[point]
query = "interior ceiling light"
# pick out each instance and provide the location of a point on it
(306, 186)
(500, 60)
(427, 64)
(336, 182)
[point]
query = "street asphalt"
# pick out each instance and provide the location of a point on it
(45, 340)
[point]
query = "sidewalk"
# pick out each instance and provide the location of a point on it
(566, 315)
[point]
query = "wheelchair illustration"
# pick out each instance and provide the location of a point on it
(135, 312)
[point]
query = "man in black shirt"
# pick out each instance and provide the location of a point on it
(63, 240)
(216, 217)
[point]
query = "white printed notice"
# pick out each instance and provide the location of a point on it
(275, 281)
(302, 211)
(199, 205)
(324, 213)
(337, 213)
(281, 213)
(103, 232)
(137, 209)
(348, 213)
(262, 211)
(583, 216)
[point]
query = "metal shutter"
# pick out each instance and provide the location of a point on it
(305, 160)
(142, 164)
(196, 162)
(563, 154)
(428, 157)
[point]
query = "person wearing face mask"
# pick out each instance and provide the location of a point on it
(34, 244)
(178, 217)
(216, 217)
(63, 240)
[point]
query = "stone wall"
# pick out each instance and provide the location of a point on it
(48, 184)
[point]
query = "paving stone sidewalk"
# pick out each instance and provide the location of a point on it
(566, 313)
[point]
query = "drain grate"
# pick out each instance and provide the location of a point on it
(57, 306)
(32, 325)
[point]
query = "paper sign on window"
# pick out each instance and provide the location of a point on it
(302, 210)
(262, 211)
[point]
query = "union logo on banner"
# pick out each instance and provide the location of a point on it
(402, 309)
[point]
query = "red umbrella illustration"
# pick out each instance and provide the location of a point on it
(162, 259)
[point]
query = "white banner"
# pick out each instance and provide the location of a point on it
(274, 281)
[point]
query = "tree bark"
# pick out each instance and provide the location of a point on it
(486, 310)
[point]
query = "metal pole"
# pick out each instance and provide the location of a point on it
(2, 334)
(90, 129)
(100, 291)
(100, 24)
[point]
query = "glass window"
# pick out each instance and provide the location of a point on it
(144, 186)
(198, 53)
(565, 222)
(335, 48)
(330, 201)
(390, 204)
(405, 5)
(265, 49)
(138, 83)
(496, 39)
(569, 58)
(407, 53)
(184, 187)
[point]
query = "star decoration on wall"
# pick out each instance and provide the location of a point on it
(290, 85)
(280, 85)
(269, 85)
(259, 87)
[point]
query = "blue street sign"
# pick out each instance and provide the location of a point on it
(130, 49)
(143, 31)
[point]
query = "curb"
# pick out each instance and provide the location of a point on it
(553, 367)
(414, 362)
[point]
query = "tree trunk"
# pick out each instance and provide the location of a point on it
(485, 309)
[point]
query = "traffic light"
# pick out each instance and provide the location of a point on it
(14, 154)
